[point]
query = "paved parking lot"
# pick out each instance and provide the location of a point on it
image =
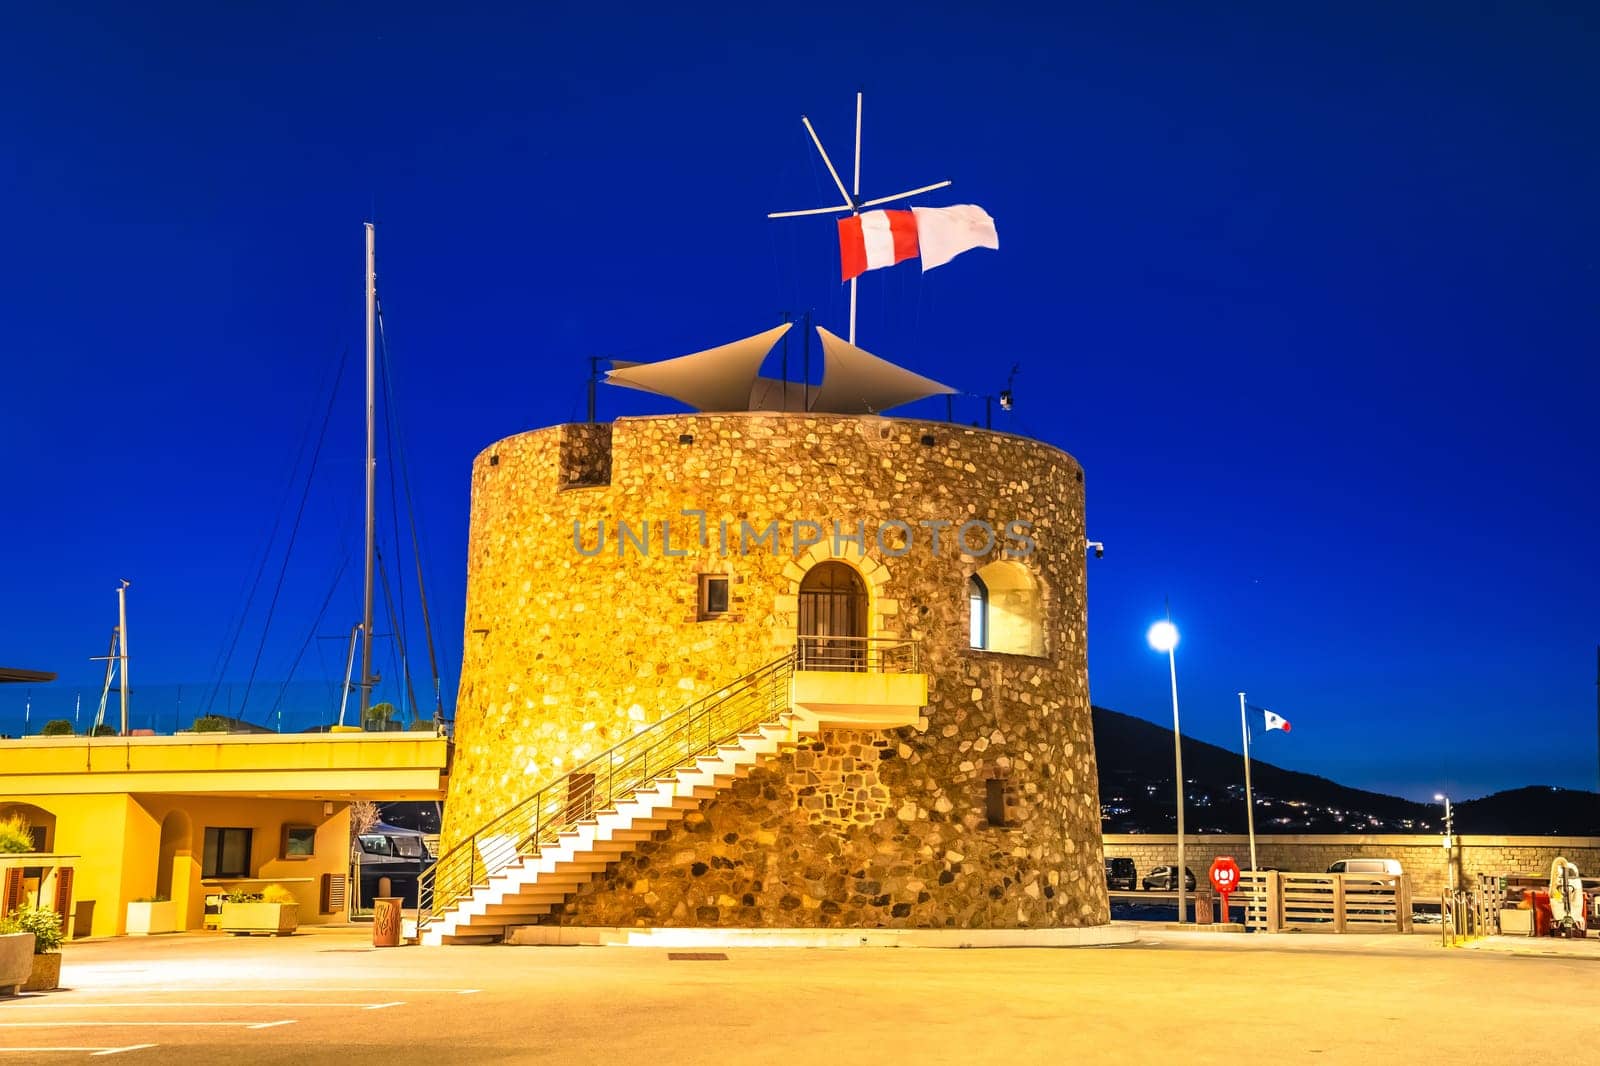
(328, 996)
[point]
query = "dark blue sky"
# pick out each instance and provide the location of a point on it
(1310, 291)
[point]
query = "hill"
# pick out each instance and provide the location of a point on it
(1137, 795)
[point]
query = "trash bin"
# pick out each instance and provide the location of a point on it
(386, 922)
(1205, 908)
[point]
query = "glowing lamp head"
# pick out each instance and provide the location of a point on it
(1163, 636)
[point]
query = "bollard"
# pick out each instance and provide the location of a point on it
(386, 922)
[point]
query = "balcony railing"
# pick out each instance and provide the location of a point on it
(861, 655)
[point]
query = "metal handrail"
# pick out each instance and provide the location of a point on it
(601, 783)
(869, 655)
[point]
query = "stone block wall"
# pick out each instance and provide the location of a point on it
(582, 626)
(1422, 857)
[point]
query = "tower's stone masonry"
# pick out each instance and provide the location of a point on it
(985, 814)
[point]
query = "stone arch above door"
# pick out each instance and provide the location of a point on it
(882, 611)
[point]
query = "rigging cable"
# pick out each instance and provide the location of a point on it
(416, 542)
(399, 626)
(220, 671)
(288, 551)
(311, 635)
(399, 641)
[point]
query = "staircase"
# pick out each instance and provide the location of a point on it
(521, 865)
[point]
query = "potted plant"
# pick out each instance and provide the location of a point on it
(210, 723)
(57, 727)
(16, 835)
(379, 717)
(274, 910)
(16, 958)
(44, 925)
(152, 914)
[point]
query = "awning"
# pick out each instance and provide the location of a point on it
(726, 378)
(717, 379)
(16, 676)
(856, 382)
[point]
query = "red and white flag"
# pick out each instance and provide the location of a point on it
(875, 239)
(1276, 721)
(945, 232)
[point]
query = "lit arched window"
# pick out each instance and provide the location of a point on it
(1007, 610)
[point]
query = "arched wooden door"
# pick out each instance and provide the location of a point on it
(833, 619)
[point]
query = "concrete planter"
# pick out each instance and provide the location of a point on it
(46, 973)
(145, 918)
(16, 962)
(242, 919)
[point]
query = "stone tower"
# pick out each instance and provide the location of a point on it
(617, 572)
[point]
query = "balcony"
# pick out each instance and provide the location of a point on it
(859, 682)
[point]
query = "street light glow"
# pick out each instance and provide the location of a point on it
(1163, 636)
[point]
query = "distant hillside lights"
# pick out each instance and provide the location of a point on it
(893, 538)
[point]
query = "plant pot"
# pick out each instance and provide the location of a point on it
(46, 973)
(242, 919)
(16, 962)
(147, 917)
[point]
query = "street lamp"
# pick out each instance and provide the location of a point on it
(1449, 866)
(1163, 636)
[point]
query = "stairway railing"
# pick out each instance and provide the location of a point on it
(601, 783)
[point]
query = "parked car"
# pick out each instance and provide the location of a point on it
(1389, 867)
(1166, 878)
(389, 853)
(1121, 875)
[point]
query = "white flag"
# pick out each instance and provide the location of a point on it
(1276, 721)
(945, 232)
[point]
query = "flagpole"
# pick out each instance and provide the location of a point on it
(1249, 801)
(855, 198)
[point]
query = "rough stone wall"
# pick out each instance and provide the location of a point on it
(1422, 857)
(571, 647)
(585, 454)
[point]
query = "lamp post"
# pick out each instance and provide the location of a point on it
(1449, 866)
(1163, 636)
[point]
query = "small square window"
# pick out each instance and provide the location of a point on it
(713, 595)
(227, 853)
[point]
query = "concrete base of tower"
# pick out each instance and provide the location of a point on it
(701, 939)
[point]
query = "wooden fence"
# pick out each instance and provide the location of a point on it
(1276, 902)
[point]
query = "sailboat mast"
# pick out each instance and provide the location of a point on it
(372, 464)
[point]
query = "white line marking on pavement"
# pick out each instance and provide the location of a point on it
(160, 1004)
(122, 1025)
(386, 989)
(90, 1050)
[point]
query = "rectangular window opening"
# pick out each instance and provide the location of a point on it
(999, 801)
(227, 852)
(713, 596)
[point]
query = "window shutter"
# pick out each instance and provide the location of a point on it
(63, 895)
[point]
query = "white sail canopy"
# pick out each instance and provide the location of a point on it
(856, 382)
(727, 378)
(717, 379)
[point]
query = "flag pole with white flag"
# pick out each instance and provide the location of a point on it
(1273, 721)
(1249, 801)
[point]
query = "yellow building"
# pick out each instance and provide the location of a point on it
(191, 815)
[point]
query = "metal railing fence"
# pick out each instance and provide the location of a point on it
(871, 655)
(602, 782)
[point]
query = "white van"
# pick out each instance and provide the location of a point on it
(1366, 866)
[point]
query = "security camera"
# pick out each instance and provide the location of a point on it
(1099, 548)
